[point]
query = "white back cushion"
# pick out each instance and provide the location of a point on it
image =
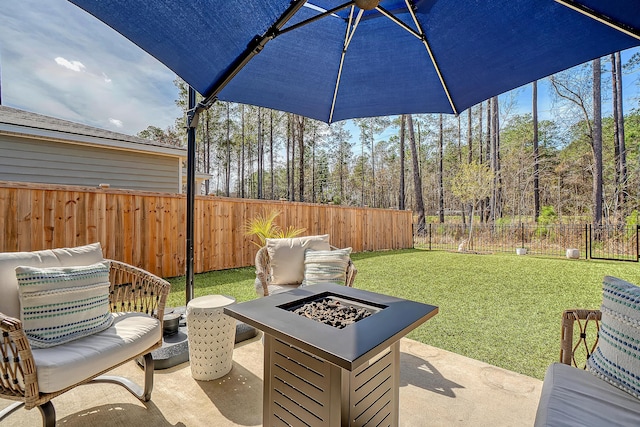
(9, 302)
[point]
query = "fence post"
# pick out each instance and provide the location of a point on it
(587, 241)
(637, 243)
(429, 236)
(522, 235)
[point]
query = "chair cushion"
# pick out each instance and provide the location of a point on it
(326, 266)
(574, 397)
(617, 357)
(9, 302)
(61, 304)
(62, 366)
(287, 257)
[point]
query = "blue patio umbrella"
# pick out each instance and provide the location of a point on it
(335, 60)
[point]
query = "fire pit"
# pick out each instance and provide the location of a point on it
(318, 373)
(332, 310)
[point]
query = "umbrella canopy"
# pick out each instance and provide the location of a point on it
(334, 60)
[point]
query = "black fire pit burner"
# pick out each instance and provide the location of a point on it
(333, 310)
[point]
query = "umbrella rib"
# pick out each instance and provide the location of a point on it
(347, 40)
(617, 25)
(315, 18)
(395, 19)
(423, 37)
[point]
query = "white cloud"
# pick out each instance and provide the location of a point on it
(76, 66)
(117, 123)
(106, 78)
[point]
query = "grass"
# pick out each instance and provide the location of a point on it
(502, 309)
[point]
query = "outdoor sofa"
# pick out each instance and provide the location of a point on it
(605, 389)
(287, 263)
(68, 316)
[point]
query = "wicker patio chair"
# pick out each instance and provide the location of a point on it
(263, 274)
(576, 345)
(131, 290)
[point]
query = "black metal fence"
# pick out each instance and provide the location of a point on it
(605, 242)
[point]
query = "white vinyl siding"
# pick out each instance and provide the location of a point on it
(52, 162)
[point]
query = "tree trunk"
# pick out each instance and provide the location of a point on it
(260, 155)
(291, 148)
(301, 156)
(440, 172)
(616, 137)
(313, 166)
(469, 136)
(417, 180)
(401, 197)
(207, 145)
(597, 144)
(273, 188)
(227, 184)
(486, 214)
(623, 149)
(242, 172)
(373, 166)
(536, 154)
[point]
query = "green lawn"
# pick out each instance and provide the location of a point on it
(501, 309)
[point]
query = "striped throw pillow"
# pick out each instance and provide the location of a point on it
(617, 357)
(61, 304)
(325, 266)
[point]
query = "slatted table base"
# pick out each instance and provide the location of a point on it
(301, 389)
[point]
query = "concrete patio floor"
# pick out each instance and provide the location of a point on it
(437, 388)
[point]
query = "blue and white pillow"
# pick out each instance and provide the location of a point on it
(61, 304)
(326, 266)
(617, 357)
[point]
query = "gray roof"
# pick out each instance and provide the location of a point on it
(19, 119)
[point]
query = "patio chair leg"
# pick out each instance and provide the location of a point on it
(144, 395)
(10, 410)
(46, 409)
(48, 414)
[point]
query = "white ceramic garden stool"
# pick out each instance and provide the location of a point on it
(211, 335)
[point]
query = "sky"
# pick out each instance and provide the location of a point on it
(57, 60)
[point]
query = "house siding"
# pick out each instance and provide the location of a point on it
(55, 162)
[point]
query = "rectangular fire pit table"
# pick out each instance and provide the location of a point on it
(318, 375)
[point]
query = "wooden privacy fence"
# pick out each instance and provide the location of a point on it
(149, 229)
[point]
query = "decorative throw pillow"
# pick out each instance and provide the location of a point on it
(326, 266)
(617, 357)
(61, 304)
(287, 257)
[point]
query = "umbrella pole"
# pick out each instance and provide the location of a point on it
(192, 122)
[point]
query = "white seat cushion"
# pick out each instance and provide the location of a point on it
(575, 397)
(67, 364)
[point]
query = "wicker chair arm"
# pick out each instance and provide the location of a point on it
(352, 271)
(262, 268)
(135, 289)
(17, 367)
(586, 343)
